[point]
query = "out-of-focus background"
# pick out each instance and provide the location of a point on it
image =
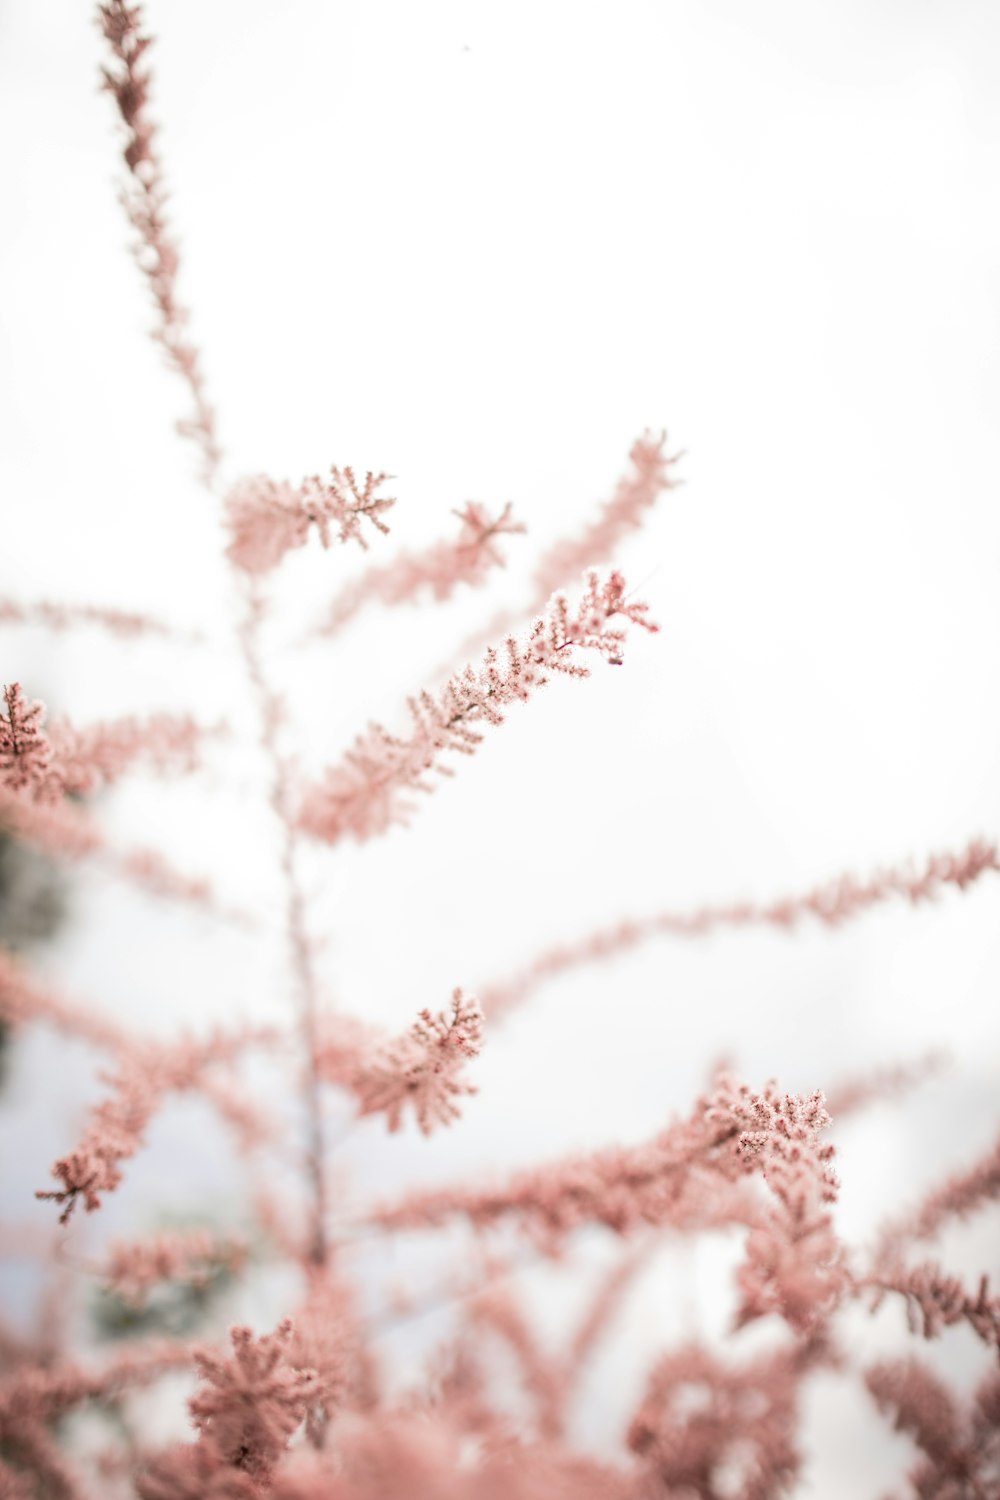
(483, 247)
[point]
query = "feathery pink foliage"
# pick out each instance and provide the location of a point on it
(134, 1267)
(936, 1300)
(422, 1068)
(366, 793)
(144, 198)
(147, 1072)
(685, 1177)
(438, 569)
(268, 518)
(22, 1000)
(127, 624)
(253, 1401)
(960, 1449)
(596, 543)
(25, 751)
(47, 765)
(636, 493)
(721, 1431)
(838, 901)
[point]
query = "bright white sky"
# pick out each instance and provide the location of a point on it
(482, 247)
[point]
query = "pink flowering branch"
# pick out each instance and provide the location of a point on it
(267, 518)
(544, 1377)
(367, 792)
(935, 1300)
(144, 198)
(23, 1001)
(45, 1392)
(437, 570)
(648, 477)
(832, 904)
(126, 624)
(961, 1195)
(960, 1449)
(688, 1177)
(68, 832)
(147, 1073)
(135, 1267)
(883, 1084)
(422, 1069)
(247, 1409)
(637, 492)
(709, 1428)
(63, 760)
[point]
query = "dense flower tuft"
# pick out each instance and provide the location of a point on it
(268, 517)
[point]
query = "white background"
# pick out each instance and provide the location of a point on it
(482, 247)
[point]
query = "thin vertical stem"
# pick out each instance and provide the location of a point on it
(295, 925)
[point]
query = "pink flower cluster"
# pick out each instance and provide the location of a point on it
(423, 1068)
(268, 518)
(367, 792)
(66, 761)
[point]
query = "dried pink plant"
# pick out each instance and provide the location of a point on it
(267, 518)
(367, 792)
(437, 570)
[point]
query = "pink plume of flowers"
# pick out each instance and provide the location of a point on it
(438, 569)
(267, 517)
(960, 1449)
(686, 1177)
(23, 1000)
(636, 493)
(39, 1394)
(134, 1267)
(720, 1431)
(964, 1193)
(25, 751)
(423, 1068)
(147, 1072)
(794, 1265)
(101, 753)
(833, 903)
(246, 1411)
(366, 793)
(127, 624)
(144, 198)
(936, 1300)
(64, 760)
